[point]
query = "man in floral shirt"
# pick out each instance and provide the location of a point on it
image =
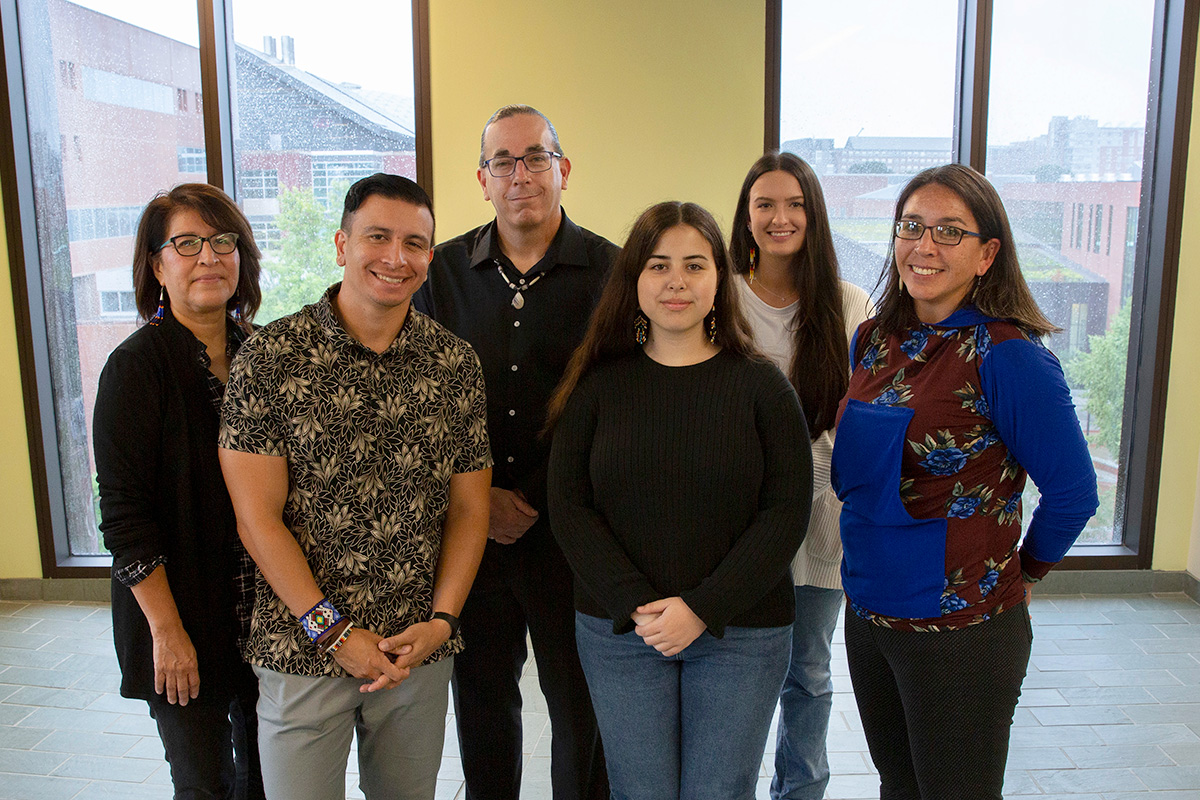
(355, 447)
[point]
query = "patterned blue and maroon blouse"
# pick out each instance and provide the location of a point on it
(936, 434)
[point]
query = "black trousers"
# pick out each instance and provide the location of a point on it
(212, 744)
(937, 708)
(523, 586)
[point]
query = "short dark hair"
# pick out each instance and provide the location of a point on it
(218, 210)
(1001, 293)
(395, 187)
(515, 110)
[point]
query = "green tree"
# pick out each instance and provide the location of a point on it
(1101, 373)
(868, 168)
(304, 266)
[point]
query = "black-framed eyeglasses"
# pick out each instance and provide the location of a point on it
(941, 234)
(503, 166)
(189, 244)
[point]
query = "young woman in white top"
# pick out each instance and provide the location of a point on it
(802, 316)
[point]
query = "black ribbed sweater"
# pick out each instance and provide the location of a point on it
(682, 481)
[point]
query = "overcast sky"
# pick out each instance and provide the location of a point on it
(875, 67)
(367, 43)
(882, 68)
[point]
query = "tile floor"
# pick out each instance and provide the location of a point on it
(1110, 710)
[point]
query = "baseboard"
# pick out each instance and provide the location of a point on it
(87, 590)
(1191, 586)
(1131, 581)
(1117, 581)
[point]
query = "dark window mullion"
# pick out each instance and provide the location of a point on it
(971, 83)
(773, 102)
(216, 47)
(1168, 126)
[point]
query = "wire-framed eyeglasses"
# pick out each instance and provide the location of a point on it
(503, 166)
(189, 244)
(941, 234)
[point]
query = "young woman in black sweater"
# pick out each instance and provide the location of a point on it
(680, 485)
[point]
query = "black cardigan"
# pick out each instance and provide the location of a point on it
(161, 493)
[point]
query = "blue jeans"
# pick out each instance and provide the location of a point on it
(690, 726)
(801, 763)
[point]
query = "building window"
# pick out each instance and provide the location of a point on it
(332, 174)
(259, 184)
(118, 304)
(266, 234)
(192, 159)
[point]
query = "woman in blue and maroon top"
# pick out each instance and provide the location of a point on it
(953, 401)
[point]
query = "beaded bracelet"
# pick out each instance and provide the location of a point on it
(339, 641)
(319, 619)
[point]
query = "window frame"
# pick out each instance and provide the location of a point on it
(16, 188)
(1168, 127)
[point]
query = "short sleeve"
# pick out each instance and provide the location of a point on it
(474, 452)
(249, 421)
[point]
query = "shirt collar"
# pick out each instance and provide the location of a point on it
(965, 317)
(327, 318)
(567, 246)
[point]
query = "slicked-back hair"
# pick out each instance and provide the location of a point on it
(393, 187)
(820, 364)
(1001, 292)
(516, 110)
(218, 210)
(610, 334)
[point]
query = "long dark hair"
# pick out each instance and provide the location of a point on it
(610, 334)
(218, 210)
(1001, 292)
(820, 369)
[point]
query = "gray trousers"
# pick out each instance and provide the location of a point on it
(305, 725)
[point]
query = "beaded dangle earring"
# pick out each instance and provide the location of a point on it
(158, 315)
(641, 327)
(753, 262)
(975, 289)
(712, 326)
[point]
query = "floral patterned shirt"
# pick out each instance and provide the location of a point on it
(372, 440)
(936, 433)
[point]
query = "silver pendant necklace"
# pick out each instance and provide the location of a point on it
(518, 301)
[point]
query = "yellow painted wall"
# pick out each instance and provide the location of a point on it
(18, 531)
(1177, 529)
(652, 101)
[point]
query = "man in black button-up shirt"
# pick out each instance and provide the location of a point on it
(521, 290)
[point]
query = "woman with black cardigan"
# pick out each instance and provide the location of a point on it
(182, 584)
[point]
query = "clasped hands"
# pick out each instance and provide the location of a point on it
(667, 625)
(385, 663)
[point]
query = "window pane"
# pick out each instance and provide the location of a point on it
(101, 88)
(1066, 155)
(318, 109)
(864, 126)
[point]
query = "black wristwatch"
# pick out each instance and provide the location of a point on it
(449, 619)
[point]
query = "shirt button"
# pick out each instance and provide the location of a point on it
(514, 367)
(512, 412)
(522, 281)
(510, 459)
(517, 324)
